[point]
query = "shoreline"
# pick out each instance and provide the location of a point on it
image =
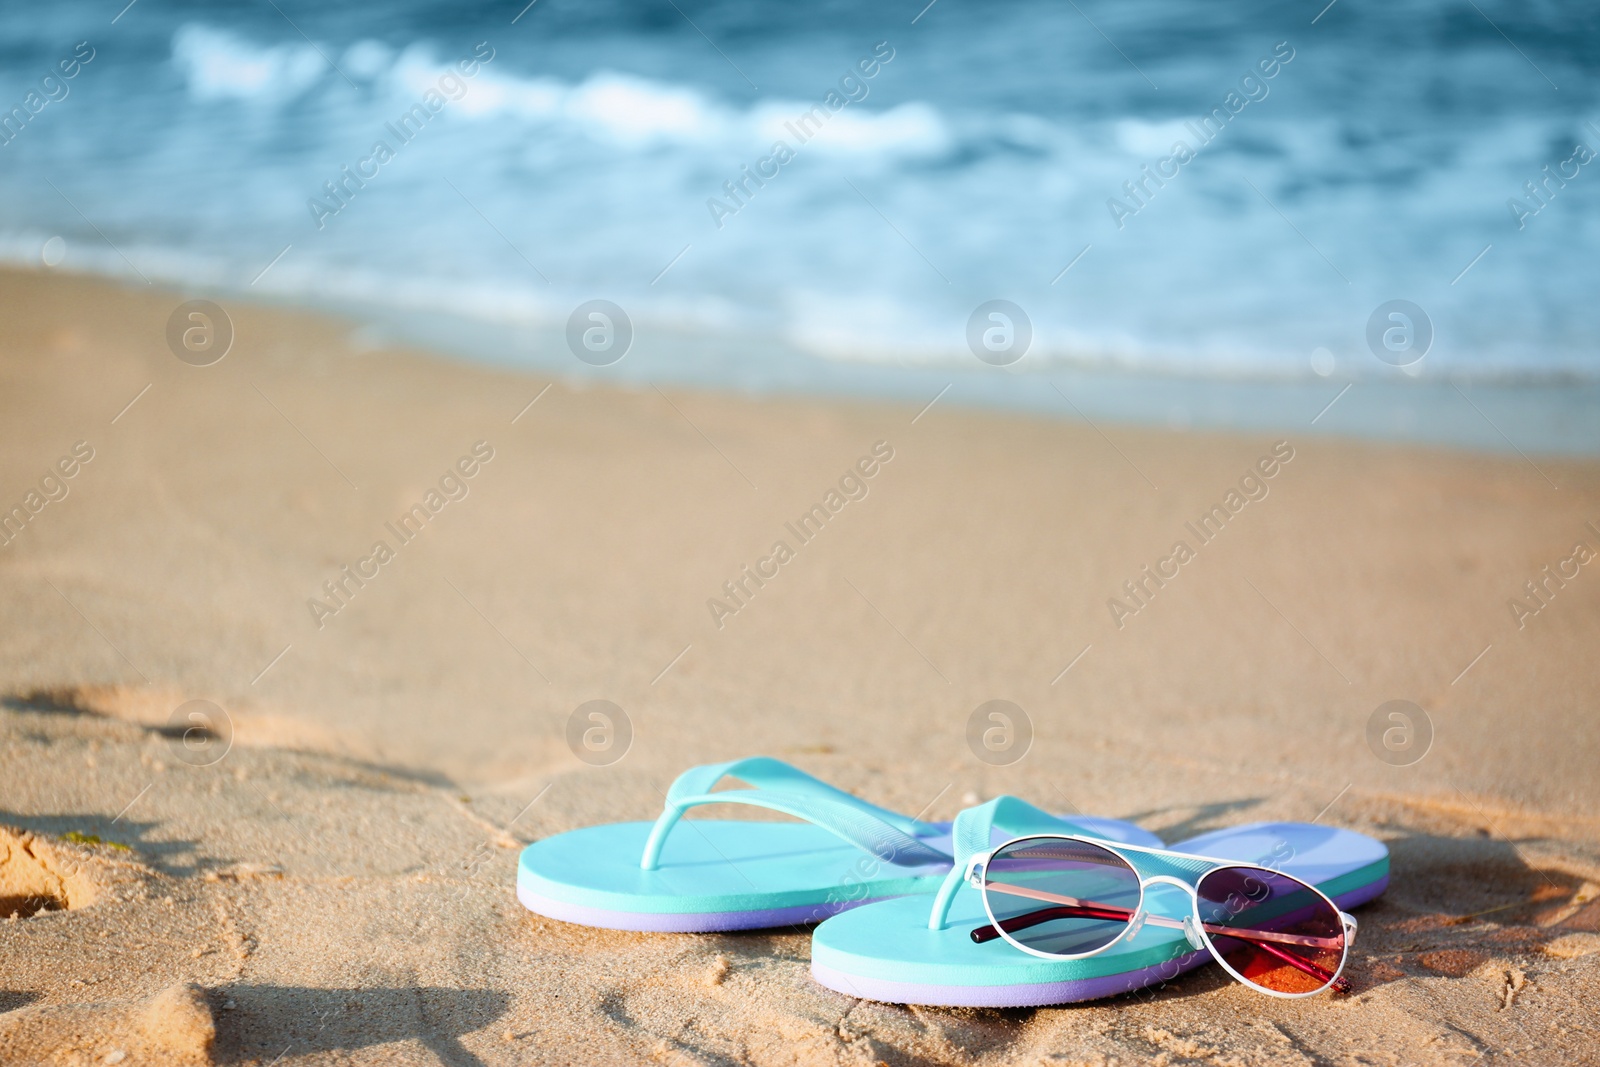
(1549, 414)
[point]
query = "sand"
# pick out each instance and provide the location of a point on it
(336, 886)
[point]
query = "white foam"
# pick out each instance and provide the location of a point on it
(366, 59)
(636, 111)
(618, 108)
(909, 130)
(218, 65)
(1142, 138)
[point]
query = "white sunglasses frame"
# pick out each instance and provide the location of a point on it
(1193, 928)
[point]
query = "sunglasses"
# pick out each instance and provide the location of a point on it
(1066, 897)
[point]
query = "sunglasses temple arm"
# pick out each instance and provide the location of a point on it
(984, 934)
(1087, 910)
(1340, 983)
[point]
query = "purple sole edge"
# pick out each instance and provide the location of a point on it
(1036, 994)
(683, 922)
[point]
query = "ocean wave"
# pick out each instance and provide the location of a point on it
(623, 164)
(623, 109)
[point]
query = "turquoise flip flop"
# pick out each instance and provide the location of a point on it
(701, 875)
(896, 951)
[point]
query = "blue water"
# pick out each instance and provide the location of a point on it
(588, 158)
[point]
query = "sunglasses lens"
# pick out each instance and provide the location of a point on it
(1277, 933)
(1066, 898)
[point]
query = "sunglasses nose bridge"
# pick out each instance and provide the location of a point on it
(1146, 898)
(1167, 879)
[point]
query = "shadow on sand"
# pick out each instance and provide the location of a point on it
(267, 1019)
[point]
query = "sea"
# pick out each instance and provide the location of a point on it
(1350, 218)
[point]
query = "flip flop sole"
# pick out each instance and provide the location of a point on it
(706, 922)
(1036, 994)
(886, 952)
(718, 875)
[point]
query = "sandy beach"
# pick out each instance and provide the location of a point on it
(336, 885)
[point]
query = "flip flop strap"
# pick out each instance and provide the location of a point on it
(974, 834)
(764, 772)
(888, 835)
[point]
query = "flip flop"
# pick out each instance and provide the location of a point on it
(703, 875)
(895, 951)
